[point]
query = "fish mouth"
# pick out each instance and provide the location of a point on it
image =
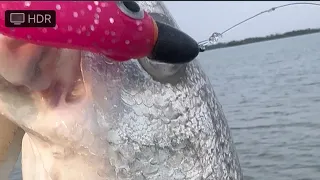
(58, 92)
(67, 86)
(51, 74)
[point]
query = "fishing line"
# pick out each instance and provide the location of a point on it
(214, 38)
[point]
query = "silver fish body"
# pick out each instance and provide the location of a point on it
(142, 120)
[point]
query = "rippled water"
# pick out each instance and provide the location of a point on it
(270, 93)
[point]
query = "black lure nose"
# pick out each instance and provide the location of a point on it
(174, 46)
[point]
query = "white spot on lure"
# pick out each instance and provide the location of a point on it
(111, 20)
(138, 22)
(89, 7)
(75, 14)
(92, 28)
(103, 4)
(27, 3)
(98, 10)
(58, 7)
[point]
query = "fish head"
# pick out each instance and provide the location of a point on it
(101, 119)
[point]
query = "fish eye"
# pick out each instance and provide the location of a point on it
(131, 9)
(163, 72)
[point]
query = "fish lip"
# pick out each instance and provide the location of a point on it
(57, 92)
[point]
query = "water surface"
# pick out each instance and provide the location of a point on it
(270, 93)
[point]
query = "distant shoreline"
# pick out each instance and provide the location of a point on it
(266, 38)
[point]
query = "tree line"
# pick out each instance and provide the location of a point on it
(266, 38)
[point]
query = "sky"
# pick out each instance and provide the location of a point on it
(200, 19)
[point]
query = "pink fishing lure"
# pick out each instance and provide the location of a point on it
(107, 27)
